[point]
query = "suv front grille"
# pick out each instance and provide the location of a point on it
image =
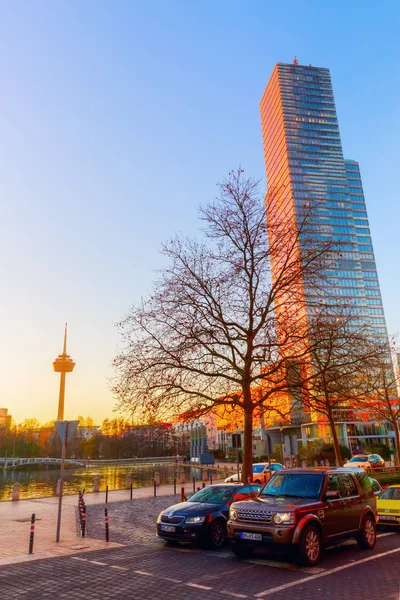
(260, 516)
(171, 520)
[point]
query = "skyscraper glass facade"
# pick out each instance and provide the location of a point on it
(305, 166)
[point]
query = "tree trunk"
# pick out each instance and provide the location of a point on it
(338, 454)
(247, 463)
(397, 442)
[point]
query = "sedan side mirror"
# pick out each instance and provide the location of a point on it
(332, 495)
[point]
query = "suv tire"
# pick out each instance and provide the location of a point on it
(366, 538)
(242, 550)
(309, 548)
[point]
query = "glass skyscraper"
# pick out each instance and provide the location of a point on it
(305, 165)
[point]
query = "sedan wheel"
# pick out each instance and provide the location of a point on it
(217, 534)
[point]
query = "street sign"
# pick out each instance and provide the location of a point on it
(71, 428)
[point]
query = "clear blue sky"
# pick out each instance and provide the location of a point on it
(116, 121)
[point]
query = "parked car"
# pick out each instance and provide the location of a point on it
(261, 472)
(389, 506)
(204, 516)
(305, 509)
(366, 461)
(376, 486)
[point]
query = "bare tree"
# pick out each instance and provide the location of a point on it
(227, 315)
(381, 398)
(333, 375)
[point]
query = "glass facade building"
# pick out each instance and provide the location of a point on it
(305, 166)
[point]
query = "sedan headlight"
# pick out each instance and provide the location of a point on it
(194, 520)
(233, 515)
(286, 518)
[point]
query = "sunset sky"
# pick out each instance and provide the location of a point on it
(117, 119)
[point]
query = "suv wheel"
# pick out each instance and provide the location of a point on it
(242, 550)
(310, 546)
(367, 537)
(216, 535)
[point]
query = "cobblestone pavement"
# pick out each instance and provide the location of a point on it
(130, 522)
(147, 568)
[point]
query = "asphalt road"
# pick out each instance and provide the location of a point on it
(147, 568)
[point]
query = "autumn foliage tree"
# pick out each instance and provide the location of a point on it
(221, 324)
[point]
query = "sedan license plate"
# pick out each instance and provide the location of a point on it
(387, 518)
(168, 528)
(251, 536)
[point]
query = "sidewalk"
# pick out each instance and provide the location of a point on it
(15, 520)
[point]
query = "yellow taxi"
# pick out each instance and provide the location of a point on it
(388, 506)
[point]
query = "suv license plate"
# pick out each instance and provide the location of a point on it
(169, 528)
(251, 536)
(387, 518)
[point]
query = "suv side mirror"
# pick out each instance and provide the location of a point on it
(332, 495)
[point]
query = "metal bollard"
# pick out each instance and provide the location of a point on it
(210, 478)
(106, 524)
(131, 490)
(83, 521)
(182, 494)
(32, 533)
(175, 487)
(198, 489)
(204, 484)
(106, 494)
(155, 487)
(194, 484)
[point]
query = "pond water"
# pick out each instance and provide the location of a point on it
(39, 483)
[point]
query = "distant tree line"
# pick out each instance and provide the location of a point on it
(116, 438)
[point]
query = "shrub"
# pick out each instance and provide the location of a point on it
(386, 479)
(381, 449)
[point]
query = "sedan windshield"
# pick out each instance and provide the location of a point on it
(294, 485)
(214, 494)
(390, 493)
(359, 459)
(258, 468)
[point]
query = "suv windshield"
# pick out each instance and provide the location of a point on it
(214, 494)
(359, 459)
(296, 485)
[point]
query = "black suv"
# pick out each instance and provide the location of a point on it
(306, 509)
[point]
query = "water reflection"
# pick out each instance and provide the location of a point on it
(35, 484)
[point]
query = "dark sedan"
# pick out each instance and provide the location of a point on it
(204, 516)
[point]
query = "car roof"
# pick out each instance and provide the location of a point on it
(395, 485)
(230, 484)
(316, 470)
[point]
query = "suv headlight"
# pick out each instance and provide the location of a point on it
(286, 518)
(193, 520)
(233, 515)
